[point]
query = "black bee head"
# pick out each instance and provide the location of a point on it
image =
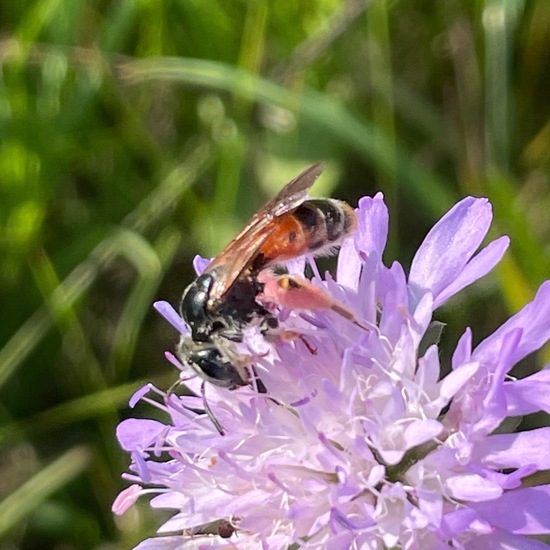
(214, 368)
(193, 307)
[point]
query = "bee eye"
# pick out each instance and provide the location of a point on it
(218, 325)
(272, 322)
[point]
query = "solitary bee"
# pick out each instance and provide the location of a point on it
(224, 299)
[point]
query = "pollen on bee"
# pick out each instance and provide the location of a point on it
(287, 283)
(284, 283)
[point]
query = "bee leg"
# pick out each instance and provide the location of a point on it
(209, 412)
(207, 408)
(240, 368)
(269, 325)
(209, 363)
(260, 386)
(312, 349)
(294, 292)
(232, 334)
(289, 335)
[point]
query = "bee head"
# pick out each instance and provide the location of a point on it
(208, 362)
(193, 307)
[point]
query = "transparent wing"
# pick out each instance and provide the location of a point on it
(242, 250)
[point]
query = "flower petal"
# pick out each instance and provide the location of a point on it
(475, 269)
(194, 542)
(349, 265)
(343, 404)
(449, 246)
(530, 394)
(456, 522)
(533, 319)
(515, 450)
(420, 431)
(372, 232)
(126, 499)
(138, 394)
(453, 383)
(494, 402)
(170, 314)
(138, 434)
(472, 488)
(523, 512)
(500, 539)
(463, 351)
(200, 264)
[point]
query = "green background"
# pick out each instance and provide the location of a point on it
(137, 133)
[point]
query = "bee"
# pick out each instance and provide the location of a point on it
(224, 299)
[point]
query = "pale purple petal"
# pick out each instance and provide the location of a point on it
(495, 406)
(126, 499)
(523, 512)
(431, 505)
(428, 371)
(530, 394)
(187, 520)
(322, 458)
(182, 543)
(475, 269)
(454, 382)
(463, 351)
(421, 431)
(200, 264)
(169, 500)
(449, 246)
(134, 434)
(502, 540)
(138, 394)
(393, 296)
(349, 265)
(422, 318)
(297, 266)
(372, 232)
(162, 543)
(366, 301)
(170, 314)
(533, 319)
(472, 488)
(174, 360)
(514, 450)
(457, 522)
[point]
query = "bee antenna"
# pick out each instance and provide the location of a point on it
(171, 389)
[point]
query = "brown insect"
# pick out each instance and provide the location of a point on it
(223, 300)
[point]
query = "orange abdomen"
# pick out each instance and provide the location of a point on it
(288, 239)
(315, 226)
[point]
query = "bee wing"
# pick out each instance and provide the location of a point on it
(240, 252)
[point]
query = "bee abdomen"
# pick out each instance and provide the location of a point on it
(325, 221)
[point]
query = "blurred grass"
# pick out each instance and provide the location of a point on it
(135, 134)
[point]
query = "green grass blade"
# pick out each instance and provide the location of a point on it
(329, 114)
(41, 486)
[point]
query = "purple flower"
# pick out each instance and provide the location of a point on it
(362, 444)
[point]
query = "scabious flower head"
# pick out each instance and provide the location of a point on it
(363, 443)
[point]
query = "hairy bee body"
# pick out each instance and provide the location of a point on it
(223, 300)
